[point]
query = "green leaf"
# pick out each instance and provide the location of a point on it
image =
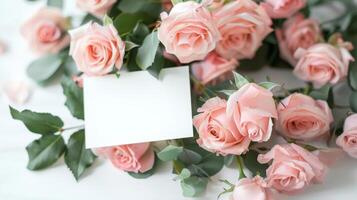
(42, 123)
(77, 157)
(55, 3)
(169, 153)
(324, 93)
(228, 160)
(125, 22)
(90, 18)
(157, 65)
(45, 151)
(185, 173)
(139, 33)
(107, 20)
(146, 53)
(74, 97)
(250, 161)
(352, 77)
(70, 68)
(44, 68)
(190, 157)
(239, 80)
(212, 164)
(193, 186)
(353, 101)
(130, 45)
(228, 92)
(130, 6)
(146, 174)
(269, 85)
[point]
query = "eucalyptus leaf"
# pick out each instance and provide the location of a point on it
(239, 80)
(169, 153)
(77, 157)
(129, 45)
(74, 97)
(139, 33)
(130, 6)
(41, 123)
(107, 20)
(193, 186)
(324, 93)
(157, 65)
(190, 157)
(55, 3)
(228, 160)
(45, 151)
(90, 18)
(212, 164)
(147, 52)
(185, 173)
(44, 68)
(228, 92)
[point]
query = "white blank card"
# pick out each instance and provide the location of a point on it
(137, 107)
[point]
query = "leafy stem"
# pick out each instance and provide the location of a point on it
(240, 167)
(71, 128)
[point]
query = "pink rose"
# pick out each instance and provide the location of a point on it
(297, 32)
(166, 5)
(322, 64)
(188, 31)
(304, 118)
(95, 7)
(46, 31)
(212, 67)
(348, 139)
(131, 158)
(293, 168)
(252, 189)
(217, 133)
(243, 26)
(283, 8)
(252, 108)
(96, 49)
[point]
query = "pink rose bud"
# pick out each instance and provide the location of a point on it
(212, 67)
(46, 31)
(348, 140)
(97, 7)
(188, 31)
(293, 168)
(252, 189)
(130, 158)
(322, 64)
(218, 133)
(96, 49)
(283, 8)
(243, 26)
(304, 118)
(252, 108)
(297, 32)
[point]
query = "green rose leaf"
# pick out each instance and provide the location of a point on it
(45, 151)
(41, 123)
(193, 186)
(352, 77)
(147, 51)
(353, 101)
(190, 157)
(77, 157)
(44, 68)
(324, 93)
(169, 153)
(74, 97)
(125, 22)
(239, 80)
(130, 6)
(250, 161)
(55, 3)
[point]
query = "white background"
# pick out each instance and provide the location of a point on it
(103, 181)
